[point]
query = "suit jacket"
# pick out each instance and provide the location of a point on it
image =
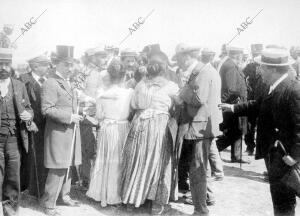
(59, 102)
(278, 118)
(233, 83)
(201, 95)
(21, 103)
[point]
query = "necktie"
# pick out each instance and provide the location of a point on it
(41, 80)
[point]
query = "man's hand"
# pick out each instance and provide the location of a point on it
(75, 118)
(226, 107)
(32, 127)
(25, 116)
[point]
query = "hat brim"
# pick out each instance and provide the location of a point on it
(259, 61)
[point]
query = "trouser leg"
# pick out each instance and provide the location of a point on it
(198, 177)
(283, 198)
(53, 187)
(11, 184)
(183, 166)
(215, 161)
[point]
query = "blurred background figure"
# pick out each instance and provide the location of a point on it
(129, 60)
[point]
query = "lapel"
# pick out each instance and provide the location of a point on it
(64, 85)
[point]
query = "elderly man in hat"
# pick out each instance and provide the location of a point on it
(34, 168)
(254, 88)
(198, 123)
(217, 173)
(62, 134)
(233, 90)
(278, 121)
(16, 114)
(129, 60)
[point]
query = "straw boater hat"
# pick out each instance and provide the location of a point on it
(5, 55)
(234, 50)
(207, 52)
(184, 48)
(274, 57)
(99, 50)
(128, 53)
(39, 59)
(256, 48)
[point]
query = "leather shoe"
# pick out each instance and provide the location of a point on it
(51, 212)
(240, 161)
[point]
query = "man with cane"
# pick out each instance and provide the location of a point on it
(62, 134)
(278, 125)
(33, 81)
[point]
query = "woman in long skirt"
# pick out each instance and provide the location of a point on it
(147, 152)
(113, 108)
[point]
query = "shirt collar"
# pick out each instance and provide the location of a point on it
(192, 66)
(275, 84)
(59, 74)
(5, 81)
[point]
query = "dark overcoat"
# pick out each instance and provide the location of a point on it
(59, 102)
(34, 93)
(233, 90)
(278, 118)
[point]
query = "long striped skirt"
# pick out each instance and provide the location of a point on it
(106, 174)
(147, 161)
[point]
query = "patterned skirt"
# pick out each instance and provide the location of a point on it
(106, 173)
(147, 161)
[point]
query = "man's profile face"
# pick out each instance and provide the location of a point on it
(100, 60)
(266, 74)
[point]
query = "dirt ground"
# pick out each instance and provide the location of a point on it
(243, 192)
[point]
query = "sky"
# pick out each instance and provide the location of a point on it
(207, 23)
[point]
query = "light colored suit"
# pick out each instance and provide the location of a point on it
(58, 104)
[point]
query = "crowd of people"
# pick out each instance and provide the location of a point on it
(134, 128)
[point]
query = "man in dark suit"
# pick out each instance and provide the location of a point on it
(278, 112)
(233, 90)
(35, 161)
(62, 135)
(16, 113)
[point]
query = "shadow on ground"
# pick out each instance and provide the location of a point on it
(240, 173)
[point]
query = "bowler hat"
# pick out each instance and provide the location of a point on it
(63, 53)
(274, 57)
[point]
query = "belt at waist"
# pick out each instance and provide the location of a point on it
(112, 121)
(150, 113)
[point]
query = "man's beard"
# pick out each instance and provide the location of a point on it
(4, 74)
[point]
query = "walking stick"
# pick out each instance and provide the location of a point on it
(241, 152)
(72, 145)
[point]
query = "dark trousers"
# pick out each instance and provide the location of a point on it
(283, 198)
(9, 174)
(56, 185)
(250, 135)
(197, 161)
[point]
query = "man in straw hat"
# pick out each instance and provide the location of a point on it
(16, 114)
(129, 60)
(278, 119)
(34, 165)
(233, 90)
(62, 134)
(198, 123)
